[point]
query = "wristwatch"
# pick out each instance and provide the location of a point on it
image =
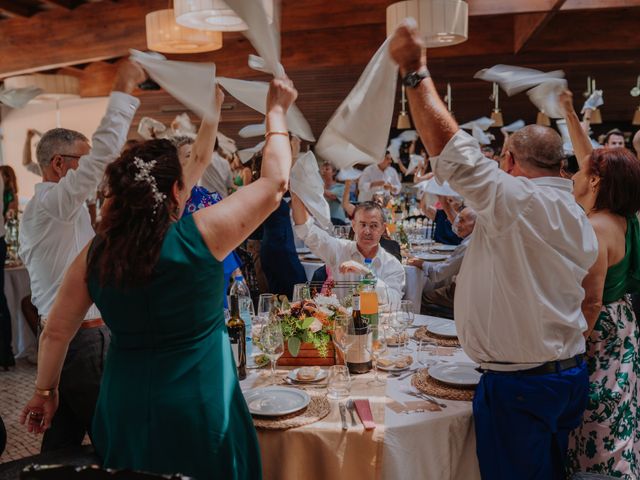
(413, 79)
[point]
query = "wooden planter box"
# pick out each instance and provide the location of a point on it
(308, 356)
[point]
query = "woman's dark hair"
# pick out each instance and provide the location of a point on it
(9, 178)
(619, 172)
(256, 165)
(133, 226)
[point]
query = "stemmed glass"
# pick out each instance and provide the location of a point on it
(301, 291)
(272, 343)
(376, 346)
(405, 317)
(266, 303)
(343, 334)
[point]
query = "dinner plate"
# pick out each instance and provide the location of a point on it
(393, 368)
(432, 257)
(301, 250)
(444, 329)
(311, 257)
(276, 401)
(460, 374)
(444, 248)
(320, 375)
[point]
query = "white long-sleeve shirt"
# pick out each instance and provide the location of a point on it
(519, 290)
(441, 274)
(56, 224)
(373, 174)
(334, 251)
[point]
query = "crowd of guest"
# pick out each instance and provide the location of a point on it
(545, 255)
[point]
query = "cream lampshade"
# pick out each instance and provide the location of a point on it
(213, 15)
(441, 22)
(166, 36)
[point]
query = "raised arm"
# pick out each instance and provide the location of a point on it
(70, 307)
(348, 207)
(27, 153)
(593, 283)
(202, 150)
(228, 223)
(579, 138)
(317, 240)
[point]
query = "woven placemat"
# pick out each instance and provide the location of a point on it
(423, 334)
(317, 409)
(426, 384)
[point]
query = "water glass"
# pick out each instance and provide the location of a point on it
(406, 319)
(339, 382)
(376, 346)
(301, 291)
(272, 344)
(343, 333)
(266, 303)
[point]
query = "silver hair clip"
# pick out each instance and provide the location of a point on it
(144, 175)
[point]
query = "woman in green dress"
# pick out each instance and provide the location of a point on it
(606, 186)
(170, 400)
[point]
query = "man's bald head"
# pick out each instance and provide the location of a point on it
(537, 148)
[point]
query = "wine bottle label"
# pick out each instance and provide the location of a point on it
(356, 302)
(236, 355)
(357, 352)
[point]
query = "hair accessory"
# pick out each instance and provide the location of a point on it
(144, 175)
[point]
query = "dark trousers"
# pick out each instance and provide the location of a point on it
(79, 388)
(523, 422)
(6, 352)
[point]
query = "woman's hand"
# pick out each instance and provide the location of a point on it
(281, 95)
(566, 102)
(39, 412)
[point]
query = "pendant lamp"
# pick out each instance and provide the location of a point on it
(404, 122)
(496, 114)
(166, 36)
(213, 15)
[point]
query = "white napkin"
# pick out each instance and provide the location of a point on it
(246, 154)
(183, 126)
(594, 101)
(483, 123)
(394, 149)
(435, 188)
(18, 97)
(255, 130)
(414, 162)
(514, 127)
(226, 144)
(567, 146)
(481, 136)
(545, 97)
(516, 79)
(348, 174)
(307, 184)
(148, 128)
(254, 95)
(408, 136)
(358, 130)
(193, 84)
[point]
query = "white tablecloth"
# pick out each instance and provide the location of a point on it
(431, 445)
(16, 287)
(414, 281)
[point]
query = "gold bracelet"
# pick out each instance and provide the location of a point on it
(45, 392)
(276, 132)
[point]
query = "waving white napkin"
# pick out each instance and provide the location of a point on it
(254, 95)
(307, 184)
(414, 162)
(255, 130)
(481, 136)
(594, 101)
(246, 154)
(193, 84)
(182, 125)
(149, 128)
(348, 174)
(18, 97)
(358, 130)
(514, 127)
(567, 145)
(434, 188)
(516, 79)
(226, 144)
(483, 123)
(545, 97)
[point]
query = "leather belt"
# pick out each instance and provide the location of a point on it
(93, 323)
(555, 366)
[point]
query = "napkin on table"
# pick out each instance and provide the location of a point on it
(363, 407)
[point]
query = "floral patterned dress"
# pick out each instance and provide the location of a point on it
(608, 441)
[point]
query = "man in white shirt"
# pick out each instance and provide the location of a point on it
(378, 177)
(345, 258)
(55, 227)
(519, 293)
(218, 177)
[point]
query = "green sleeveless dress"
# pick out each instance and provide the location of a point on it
(170, 400)
(608, 441)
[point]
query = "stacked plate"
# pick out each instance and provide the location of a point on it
(443, 328)
(276, 401)
(444, 248)
(432, 257)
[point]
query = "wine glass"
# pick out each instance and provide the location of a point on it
(266, 303)
(343, 334)
(272, 343)
(301, 292)
(376, 346)
(406, 319)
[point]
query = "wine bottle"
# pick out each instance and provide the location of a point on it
(358, 359)
(237, 335)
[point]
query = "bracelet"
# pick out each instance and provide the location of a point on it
(45, 392)
(276, 132)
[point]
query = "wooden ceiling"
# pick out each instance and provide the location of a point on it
(326, 44)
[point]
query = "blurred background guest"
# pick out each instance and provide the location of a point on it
(333, 193)
(10, 195)
(381, 176)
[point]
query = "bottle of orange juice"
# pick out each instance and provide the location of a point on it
(368, 295)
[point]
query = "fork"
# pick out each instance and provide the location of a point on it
(351, 407)
(428, 398)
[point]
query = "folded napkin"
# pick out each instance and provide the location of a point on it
(358, 130)
(514, 127)
(594, 101)
(516, 79)
(191, 83)
(364, 412)
(545, 97)
(255, 130)
(307, 184)
(348, 174)
(18, 97)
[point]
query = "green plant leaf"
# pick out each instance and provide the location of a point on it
(307, 322)
(293, 344)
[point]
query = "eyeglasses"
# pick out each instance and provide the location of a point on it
(68, 156)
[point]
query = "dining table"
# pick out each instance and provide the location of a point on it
(410, 441)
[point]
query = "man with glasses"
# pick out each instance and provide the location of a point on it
(55, 227)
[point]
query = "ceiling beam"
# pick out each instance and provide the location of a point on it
(514, 7)
(528, 25)
(599, 4)
(13, 9)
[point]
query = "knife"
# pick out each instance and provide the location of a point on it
(343, 416)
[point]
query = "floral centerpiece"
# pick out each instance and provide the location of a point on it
(308, 324)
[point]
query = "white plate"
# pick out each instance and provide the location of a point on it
(459, 374)
(312, 257)
(300, 250)
(444, 329)
(252, 363)
(320, 375)
(275, 401)
(432, 257)
(393, 368)
(445, 248)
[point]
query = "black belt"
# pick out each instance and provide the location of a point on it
(547, 368)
